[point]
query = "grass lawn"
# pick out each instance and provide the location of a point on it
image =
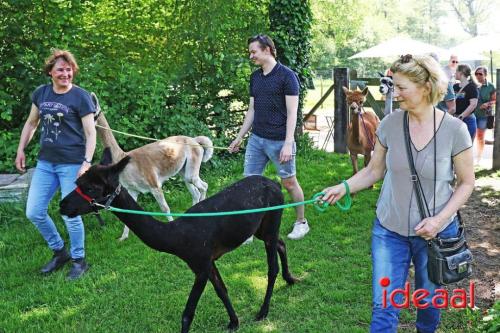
(131, 288)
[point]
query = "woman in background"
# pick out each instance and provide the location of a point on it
(487, 99)
(466, 96)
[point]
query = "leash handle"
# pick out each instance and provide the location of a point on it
(347, 201)
(321, 207)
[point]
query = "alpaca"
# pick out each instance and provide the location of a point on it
(199, 241)
(151, 165)
(361, 130)
(386, 88)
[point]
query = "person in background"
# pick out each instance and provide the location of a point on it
(448, 102)
(441, 144)
(272, 116)
(451, 68)
(487, 99)
(466, 97)
(67, 144)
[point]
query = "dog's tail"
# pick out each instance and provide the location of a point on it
(97, 106)
(207, 145)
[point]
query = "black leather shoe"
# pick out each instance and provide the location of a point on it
(58, 260)
(79, 268)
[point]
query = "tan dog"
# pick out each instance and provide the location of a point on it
(151, 165)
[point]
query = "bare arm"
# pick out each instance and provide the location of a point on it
(27, 133)
(247, 124)
(368, 176)
(292, 105)
(90, 141)
(470, 108)
(452, 106)
(464, 170)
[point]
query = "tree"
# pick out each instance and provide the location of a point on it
(290, 24)
(471, 13)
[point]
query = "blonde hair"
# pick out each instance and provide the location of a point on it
(422, 69)
(63, 54)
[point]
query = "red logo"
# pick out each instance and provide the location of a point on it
(440, 300)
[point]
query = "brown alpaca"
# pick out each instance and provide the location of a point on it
(151, 165)
(361, 129)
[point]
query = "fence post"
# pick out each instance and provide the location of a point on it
(341, 120)
(496, 128)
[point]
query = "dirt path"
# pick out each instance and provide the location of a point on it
(482, 219)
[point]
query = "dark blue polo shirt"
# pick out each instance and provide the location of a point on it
(62, 138)
(269, 93)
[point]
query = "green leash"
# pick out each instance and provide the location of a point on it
(314, 201)
(343, 207)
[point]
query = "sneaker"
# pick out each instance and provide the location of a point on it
(58, 260)
(300, 229)
(79, 268)
(248, 240)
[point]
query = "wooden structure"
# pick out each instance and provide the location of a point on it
(14, 187)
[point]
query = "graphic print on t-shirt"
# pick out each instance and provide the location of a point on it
(52, 115)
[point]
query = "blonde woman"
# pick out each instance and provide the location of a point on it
(399, 235)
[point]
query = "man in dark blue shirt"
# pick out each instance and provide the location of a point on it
(272, 116)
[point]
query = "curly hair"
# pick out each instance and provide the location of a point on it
(60, 54)
(422, 69)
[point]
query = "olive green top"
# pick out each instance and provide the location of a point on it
(485, 92)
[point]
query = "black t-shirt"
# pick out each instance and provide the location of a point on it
(462, 98)
(62, 138)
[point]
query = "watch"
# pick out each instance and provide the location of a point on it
(86, 160)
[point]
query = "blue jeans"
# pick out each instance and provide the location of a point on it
(482, 122)
(391, 257)
(259, 151)
(470, 121)
(47, 178)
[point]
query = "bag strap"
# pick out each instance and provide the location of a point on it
(417, 186)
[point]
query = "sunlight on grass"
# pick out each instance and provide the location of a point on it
(268, 327)
(259, 283)
(38, 312)
(71, 311)
(112, 276)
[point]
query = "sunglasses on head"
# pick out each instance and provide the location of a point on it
(478, 74)
(262, 39)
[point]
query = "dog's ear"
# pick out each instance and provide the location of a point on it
(345, 90)
(381, 75)
(365, 91)
(106, 158)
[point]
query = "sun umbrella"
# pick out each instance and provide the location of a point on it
(399, 46)
(479, 44)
